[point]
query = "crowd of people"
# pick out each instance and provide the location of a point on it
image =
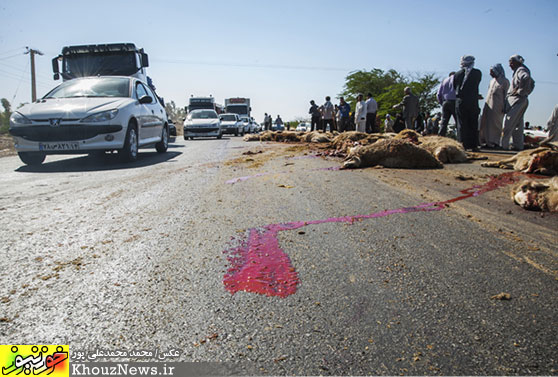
(500, 125)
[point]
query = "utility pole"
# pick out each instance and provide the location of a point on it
(32, 53)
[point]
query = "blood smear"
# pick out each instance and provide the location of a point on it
(259, 265)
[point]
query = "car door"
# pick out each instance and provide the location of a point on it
(142, 115)
(151, 124)
(157, 113)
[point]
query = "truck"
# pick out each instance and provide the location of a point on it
(114, 59)
(238, 105)
(196, 103)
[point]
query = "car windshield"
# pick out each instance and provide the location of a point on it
(228, 118)
(203, 115)
(98, 87)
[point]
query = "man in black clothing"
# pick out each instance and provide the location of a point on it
(466, 84)
(316, 122)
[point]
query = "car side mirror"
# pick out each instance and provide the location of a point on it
(145, 99)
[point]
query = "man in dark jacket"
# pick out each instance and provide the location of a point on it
(316, 122)
(466, 84)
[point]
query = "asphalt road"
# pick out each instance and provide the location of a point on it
(101, 254)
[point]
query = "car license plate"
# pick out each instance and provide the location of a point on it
(59, 146)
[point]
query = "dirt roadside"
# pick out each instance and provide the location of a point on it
(6, 146)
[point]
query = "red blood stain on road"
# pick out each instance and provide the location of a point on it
(259, 265)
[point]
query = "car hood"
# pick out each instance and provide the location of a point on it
(228, 123)
(202, 122)
(71, 108)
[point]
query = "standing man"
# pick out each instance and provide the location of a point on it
(360, 114)
(328, 115)
(552, 127)
(267, 122)
(446, 98)
(493, 112)
(410, 106)
(344, 114)
(371, 110)
(466, 83)
(279, 123)
(315, 122)
(516, 103)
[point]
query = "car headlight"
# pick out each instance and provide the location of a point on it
(18, 120)
(101, 117)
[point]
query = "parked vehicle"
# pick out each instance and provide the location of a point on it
(198, 103)
(93, 114)
(172, 127)
(231, 124)
(303, 127)
(238, 105)
(202, 123)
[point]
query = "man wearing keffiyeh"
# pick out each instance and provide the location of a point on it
(516, 103)
(494, 107)
(466, 83)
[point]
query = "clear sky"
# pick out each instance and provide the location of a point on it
(283, 53)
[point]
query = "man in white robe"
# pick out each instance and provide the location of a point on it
(516, 103)
(493, 113)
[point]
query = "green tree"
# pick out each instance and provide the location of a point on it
(387, 88)
(375, 81)
(175, 113)
(5, 116)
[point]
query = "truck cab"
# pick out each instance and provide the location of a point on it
(116, 59)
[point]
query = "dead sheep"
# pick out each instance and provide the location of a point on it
(446, 150)
(251, 137)
(409, 135)
(350, 136)
(541, 160)
(391, 153)
(537, 195)
(317, 137)
(346, 140)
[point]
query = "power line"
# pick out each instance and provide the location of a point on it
(18, 85)
(10, 51)
(44, 77)
(253, 65)
(11, 56)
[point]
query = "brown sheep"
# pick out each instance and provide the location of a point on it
(537, 195)
(317, 137)
(541, 160)
(251, 137)
(344, 141)
(446, 150)
(391, 153)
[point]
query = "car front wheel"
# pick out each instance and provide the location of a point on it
(129, 152)
(163, 145)
(32, 158)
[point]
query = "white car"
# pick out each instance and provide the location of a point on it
(231, 124)
(202, 123)
(303, 127)
(91, 115)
